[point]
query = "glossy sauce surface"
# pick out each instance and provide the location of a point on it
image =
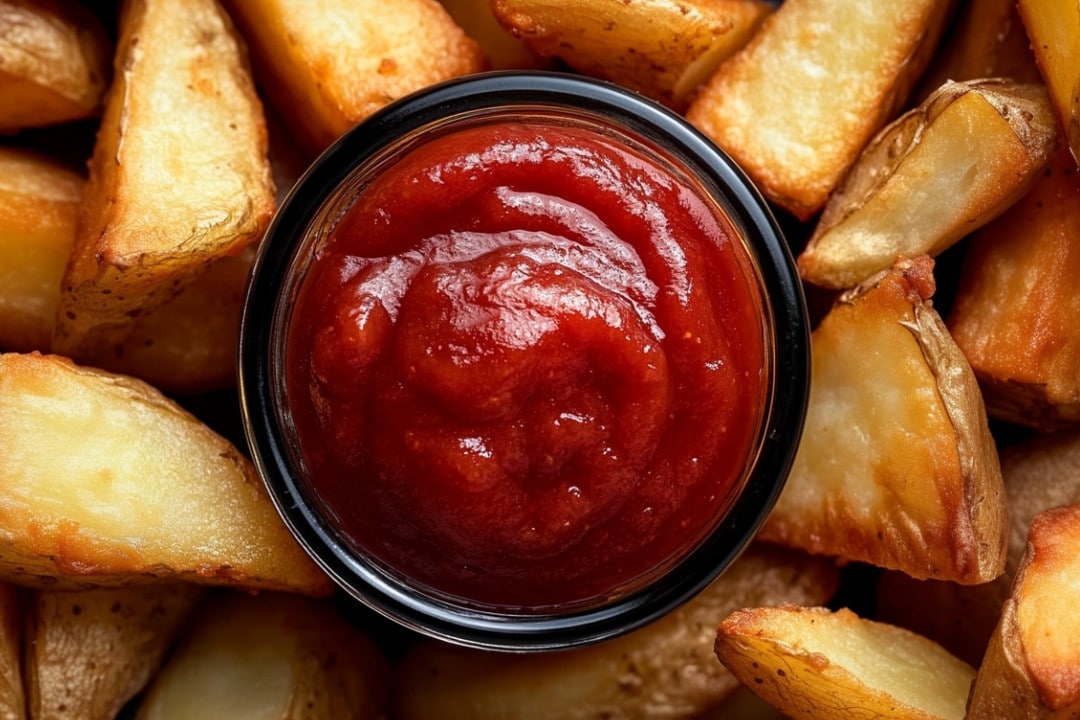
(527, 366)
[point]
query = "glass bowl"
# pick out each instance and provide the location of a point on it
(524, 361)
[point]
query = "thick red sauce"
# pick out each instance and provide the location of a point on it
(527, 366)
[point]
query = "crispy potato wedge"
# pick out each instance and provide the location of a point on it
(54, 63)
(815, 664)
(664, 670)
(327, 65)
(1031, 666)
(896, 466)
(188, 345)
(107, 482)
(179, 175)
(502, 50)
(39, 206)
(12, 694)
(987, 40)
(272, 657)
(799, 102)
(1053, 27)
(1039, 473)
(928, 179)
(1016, 314)
(89, 652)
(664, 49)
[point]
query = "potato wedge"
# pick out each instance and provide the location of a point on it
(39, 206)
(815, 664)
(327, 65)
(107, 482)
(179, 176)
(896, 467)
(1040, 473)
(1030, 667)
(89, 652)
(664, 49)
(664, 670)
(1016, 314)
(12, 694)
(1053, 27)
(987, 40)
(272, 657)
(928, 179)
(502, 50)
(800, 101)
(54, 63)
(188, 345)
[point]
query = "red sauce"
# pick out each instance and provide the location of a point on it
(527, 366)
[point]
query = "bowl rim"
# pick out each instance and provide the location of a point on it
(748, 211)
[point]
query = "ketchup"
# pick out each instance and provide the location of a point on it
(527, 366)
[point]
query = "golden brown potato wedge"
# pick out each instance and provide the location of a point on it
(931, 177)
(1031, 666)
(896, 466)
(12, 694)
(327, 65)
(1053, 27)
(187, 345)
(1016, 314)
(502, 50)
(179, 175)
(39, 205)
(54, 62)
(800, 101)
(987, 40)
(1039, 473)
(89, 652)
(107, 482)
(664, 670)
(815, 664)
(664, 49)
(272, 657)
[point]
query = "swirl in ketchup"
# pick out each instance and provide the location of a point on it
(527, 367)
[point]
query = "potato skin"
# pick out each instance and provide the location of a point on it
(290, 657)
(664, 670)
(54, 63)
(179, 177)
(89, 652)
(897, 466)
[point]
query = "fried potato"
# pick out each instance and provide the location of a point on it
(179, 175)
(935, 174)
(271, 656)
(1053, 27)
(987, 40)
(502, 50)
(12, 695)
(664, 670)
(800, 101)
(54, 63)
(820, 665)
(1030, 667)
(188, 345)
(1016, 314)
(89, 652)
(39, 205)
(107, 482)
(1039, 473)
(896, 466)
(664, 49)
(327, 65)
